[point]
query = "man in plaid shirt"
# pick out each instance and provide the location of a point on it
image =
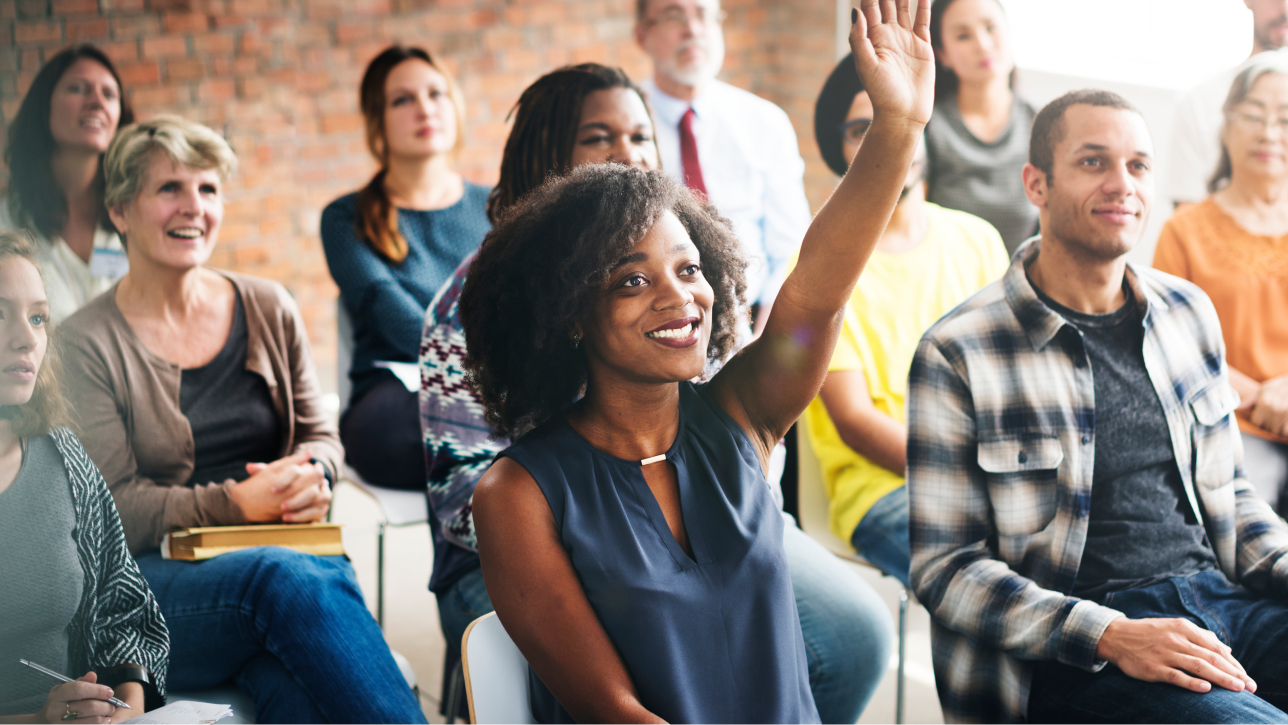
(1082, 531)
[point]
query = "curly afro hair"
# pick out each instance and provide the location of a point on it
(542, 268)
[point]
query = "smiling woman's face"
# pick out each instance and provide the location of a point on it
(174, 221)
(24, 322)
(652, 322)
(615, 126)
(85, 108)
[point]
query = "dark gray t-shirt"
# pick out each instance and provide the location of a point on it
(41, 581)
(1141, 529)
(984, 179)
(230, 410)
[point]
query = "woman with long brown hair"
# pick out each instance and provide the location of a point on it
(54, 152)
(73, 598)
(391, 246)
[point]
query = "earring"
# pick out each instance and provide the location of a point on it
(576, 340)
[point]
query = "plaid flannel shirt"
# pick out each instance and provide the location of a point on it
(1001, 449)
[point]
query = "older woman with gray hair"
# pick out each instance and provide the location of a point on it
(196, 395)
(1234, 245)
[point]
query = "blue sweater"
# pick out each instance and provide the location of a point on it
(386, 301)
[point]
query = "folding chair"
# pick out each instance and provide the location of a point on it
(813, 509)
(496, 674)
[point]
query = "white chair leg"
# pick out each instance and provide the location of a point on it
(903, 637)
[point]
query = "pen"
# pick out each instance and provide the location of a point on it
(55, 675)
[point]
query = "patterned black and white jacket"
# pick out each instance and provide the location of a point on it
(118, 621)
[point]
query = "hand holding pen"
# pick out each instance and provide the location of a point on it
(78, 701)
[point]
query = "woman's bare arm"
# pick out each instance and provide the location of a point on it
(766, 387)
(539, 600)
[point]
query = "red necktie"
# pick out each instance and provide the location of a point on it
(689, 155)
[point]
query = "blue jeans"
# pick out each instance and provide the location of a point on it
(848, 631)
(1254, 626)
(882, 535)
(290, 628)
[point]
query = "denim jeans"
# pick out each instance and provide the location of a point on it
(290, 628)
(848, 631)
(882, 535)
(1255, 628)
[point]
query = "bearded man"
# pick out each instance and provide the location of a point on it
(733, 146)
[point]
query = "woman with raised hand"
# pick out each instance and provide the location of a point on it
(572, 117)
(629, 542)
(73, 600)
(391, 246)
(54, 155)
(978, 138)
(197, 397)
(1232, 246)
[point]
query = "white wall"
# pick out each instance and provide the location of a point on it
(1157, 105)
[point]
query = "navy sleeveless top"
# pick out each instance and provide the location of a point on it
(710, 638)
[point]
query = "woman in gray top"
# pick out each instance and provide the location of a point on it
(978, 139)
(73, 598)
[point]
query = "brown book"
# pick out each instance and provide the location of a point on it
(206, 542)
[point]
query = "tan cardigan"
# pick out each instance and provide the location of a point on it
(126, 404)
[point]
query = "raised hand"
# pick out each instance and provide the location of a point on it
(893, 55)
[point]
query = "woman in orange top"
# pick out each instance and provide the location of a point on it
(1234, 245)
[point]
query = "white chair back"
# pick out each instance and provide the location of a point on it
(812, 493)
(496, 674)
(343, 353)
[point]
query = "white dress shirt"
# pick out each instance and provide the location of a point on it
(1196, 138)
(753, 171)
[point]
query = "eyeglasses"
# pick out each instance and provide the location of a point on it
(1253, 122)
(678, 17)
(854, 131)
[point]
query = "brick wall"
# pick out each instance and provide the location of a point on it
(279, 79)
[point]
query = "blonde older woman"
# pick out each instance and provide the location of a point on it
(1232, 245)
(198, 399)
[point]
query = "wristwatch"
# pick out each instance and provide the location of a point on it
(116, 676)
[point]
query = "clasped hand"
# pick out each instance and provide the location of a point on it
(1269, 408)
(290, 489)
(1175, 651)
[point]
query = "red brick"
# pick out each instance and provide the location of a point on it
(165, 47)
(37, 31)
(87, 29)
(186, 23)
(122, 51)
(348, 32)
(32, 8)
(75, 7)
(30, 60)
(184, 69)
(342, 122)
(122, 5)
(216, 90)
(251, 7)
(135, 25)
(139, 74)
(154, 99)
(156, 5)
(213, 43)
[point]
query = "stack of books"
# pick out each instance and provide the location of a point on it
(206, 542)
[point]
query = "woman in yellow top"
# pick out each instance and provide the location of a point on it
(929, 260)
(1234, 245)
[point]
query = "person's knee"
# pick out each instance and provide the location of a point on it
(288, 574)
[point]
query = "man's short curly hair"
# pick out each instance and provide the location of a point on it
(542, 269)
